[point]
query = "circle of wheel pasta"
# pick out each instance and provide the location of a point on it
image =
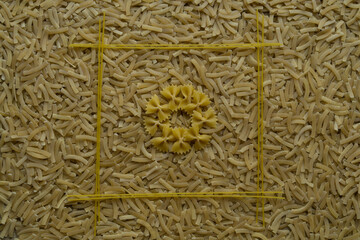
(179, 140)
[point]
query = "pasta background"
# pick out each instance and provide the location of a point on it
(48, 119)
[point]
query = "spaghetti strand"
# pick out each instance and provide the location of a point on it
(176, 46)
(262, 122)
(259, 116)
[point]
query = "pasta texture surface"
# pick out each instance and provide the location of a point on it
(48, 125)
(189, 100)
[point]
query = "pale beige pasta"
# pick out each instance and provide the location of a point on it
(179, 120)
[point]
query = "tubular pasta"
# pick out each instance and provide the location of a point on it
(148, 227)
(38, 153)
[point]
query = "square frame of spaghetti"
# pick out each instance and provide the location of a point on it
(259, 194)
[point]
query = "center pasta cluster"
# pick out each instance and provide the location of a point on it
(179, 140)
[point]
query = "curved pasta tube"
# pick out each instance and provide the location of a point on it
(181, 145)
(154, 106)
(162, 143)
(171, 93)
(208, 118)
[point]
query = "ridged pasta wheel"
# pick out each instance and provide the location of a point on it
(179, 140)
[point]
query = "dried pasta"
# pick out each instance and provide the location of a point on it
(171, 94)
(191, 101)
(48, 101)
(162, 143)
(154, 106)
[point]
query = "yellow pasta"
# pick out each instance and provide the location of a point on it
(180, 145)
(200, 140)
(171, 94)
(179, 140)
(187, 92)
(200, 100)
(162, 143)
(207, 118)
(154, 106)
(151, 125)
